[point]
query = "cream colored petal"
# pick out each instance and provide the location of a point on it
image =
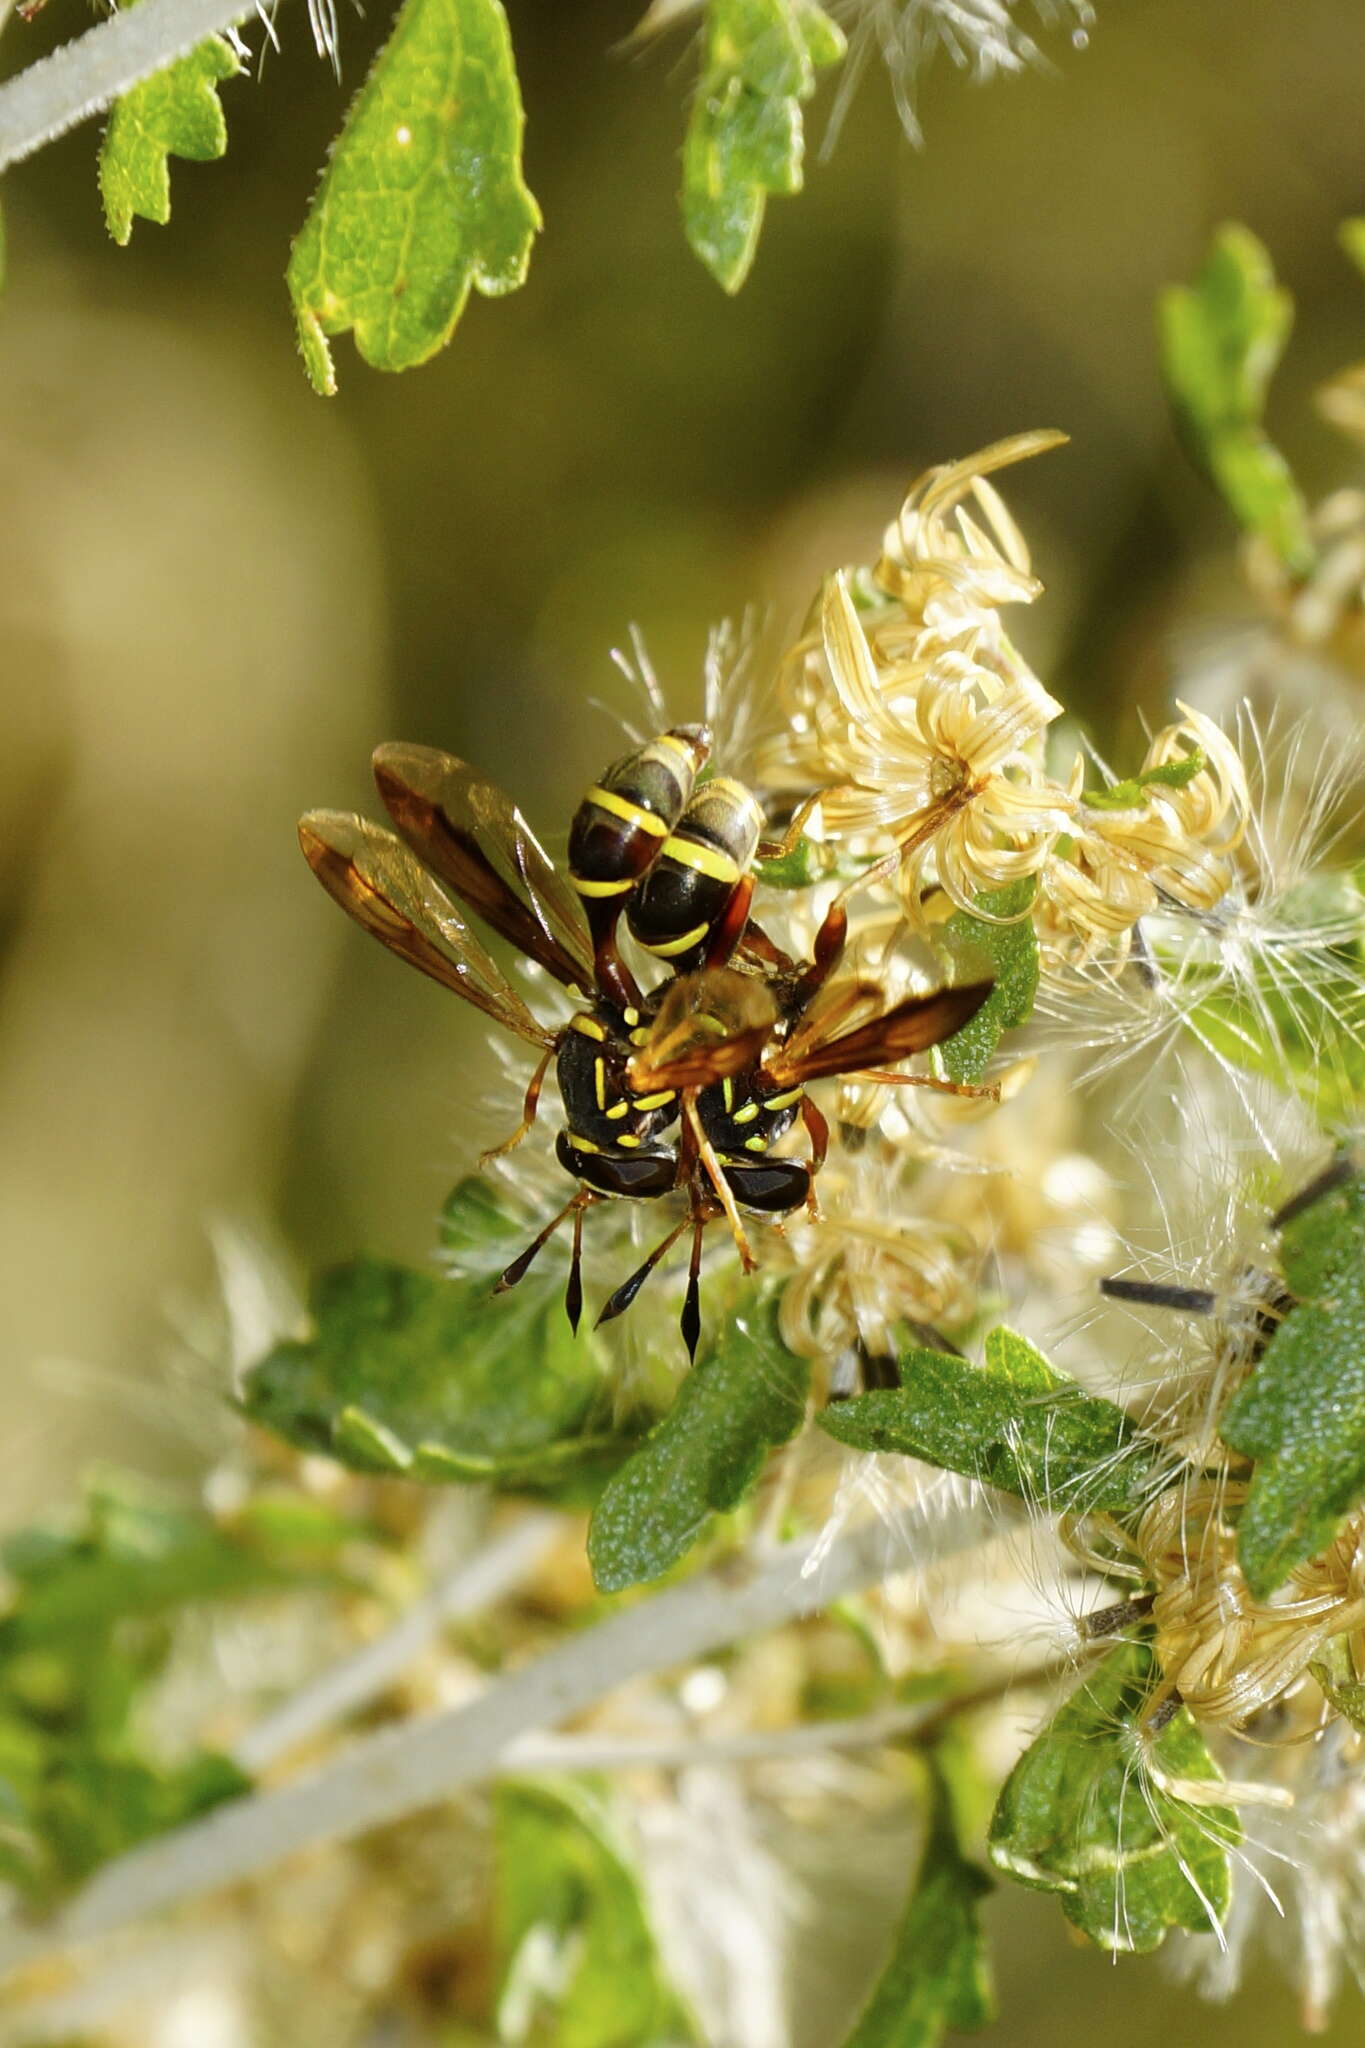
(851, 667)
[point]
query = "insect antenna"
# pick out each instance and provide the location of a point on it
(620, 1301)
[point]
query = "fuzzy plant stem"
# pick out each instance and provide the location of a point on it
(403, 1769)
(86, 74)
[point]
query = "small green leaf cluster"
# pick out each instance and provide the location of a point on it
(760, 61)
(423, 198)
(1220, 341)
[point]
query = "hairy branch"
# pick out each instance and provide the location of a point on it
(401, 1770)
(86, 74)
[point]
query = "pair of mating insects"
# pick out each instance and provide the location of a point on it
(686, 1086)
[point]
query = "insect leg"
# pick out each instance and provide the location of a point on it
(620, 1301)
(528, 1111)
(817, 1129)
(691, 1313)
(730, 927)
(706, 1152)
(779, 849)
(573, 1292)
(987, 1091)
(521, 1265)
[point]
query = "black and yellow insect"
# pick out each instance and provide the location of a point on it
(683, 1089)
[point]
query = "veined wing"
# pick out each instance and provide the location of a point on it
(907, 1027)
(370, 873)
(710, 1024)
(471, 834)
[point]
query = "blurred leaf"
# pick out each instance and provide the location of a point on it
(138, 1557)
(1352, 235)
(1009, 952)
(86, 1630)
(1084, 1813)
(175, 112)
(578, 1965)
(1298, 1019)
(746, 1396)
(1301, 1415)
(1013, 1422)
(439, 1378)
(744, 137)
(938, 1975)
(91, 1808)
(423, 197)
(1220, 342)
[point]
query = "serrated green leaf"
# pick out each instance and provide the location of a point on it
(423, 198)
(1014, 1422)
(409, 1372)
(1343, 1691)
(745, 135)
(1220, 342)
(1007, 952)
(1084, 1813)
(1301, 1415)
(938, 1975)
(578, 1965)
(743, 1398)
(175, 112)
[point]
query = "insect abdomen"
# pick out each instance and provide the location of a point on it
(623, 822)
(688, 888)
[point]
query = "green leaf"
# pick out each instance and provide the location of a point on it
(746, 1396)
(1301, 1415)
(938, 1974)
(578, 1965)
(745, 136)
(87, 1627)
(423, 198)
(1085, 1813)
(1014, 1422)
(138, 1557)
(92, 1808)
(1343, 1691)
(175, 112)
(1008, 952)
(1220, 342)
(1125, 796)
(409, 1372)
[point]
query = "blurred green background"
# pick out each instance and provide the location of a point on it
(218, 592)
